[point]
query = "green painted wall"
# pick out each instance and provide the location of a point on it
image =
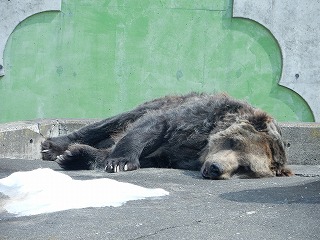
(98, 58)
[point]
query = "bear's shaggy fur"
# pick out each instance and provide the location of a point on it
(215, 134)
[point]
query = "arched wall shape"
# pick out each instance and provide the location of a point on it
(127, 52)
(295, 25)
(14, 12)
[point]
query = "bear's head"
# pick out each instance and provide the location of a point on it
(251, 145)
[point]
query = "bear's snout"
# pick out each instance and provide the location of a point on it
(213, 171)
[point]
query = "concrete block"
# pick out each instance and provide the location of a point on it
(303, 142)
(22, 140)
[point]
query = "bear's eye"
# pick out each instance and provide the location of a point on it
(231, 143)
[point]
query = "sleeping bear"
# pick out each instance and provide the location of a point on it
(215, 134)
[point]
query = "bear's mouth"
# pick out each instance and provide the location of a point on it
(215, 172)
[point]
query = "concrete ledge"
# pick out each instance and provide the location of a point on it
(21, 140)
(303, 142)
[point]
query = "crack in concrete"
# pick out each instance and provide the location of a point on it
(307, 175)
(62, 129)
(39, 130)
(197, 9)
(166, 228)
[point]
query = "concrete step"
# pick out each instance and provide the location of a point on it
(21, 140)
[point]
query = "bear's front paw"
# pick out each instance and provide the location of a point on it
(115, 165)
(50, 150)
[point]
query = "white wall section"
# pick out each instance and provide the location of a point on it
(14, 12)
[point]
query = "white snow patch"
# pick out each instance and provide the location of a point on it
(44, 190)
(251, 212)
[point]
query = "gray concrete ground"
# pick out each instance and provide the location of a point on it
(272, 208)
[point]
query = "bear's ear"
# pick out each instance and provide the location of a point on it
(259, 120)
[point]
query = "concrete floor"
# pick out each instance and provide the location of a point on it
(272, 208)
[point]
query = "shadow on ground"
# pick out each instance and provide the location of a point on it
(307, 193)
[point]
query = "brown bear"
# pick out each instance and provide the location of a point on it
(215, 134)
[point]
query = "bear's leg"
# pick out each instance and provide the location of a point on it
(97, 135)
(80, 156)
(94, 133)
(101, 132)
(137, 143)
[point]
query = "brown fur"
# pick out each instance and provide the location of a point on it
(215, 134)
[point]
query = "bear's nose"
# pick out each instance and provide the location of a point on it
(214, 171)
